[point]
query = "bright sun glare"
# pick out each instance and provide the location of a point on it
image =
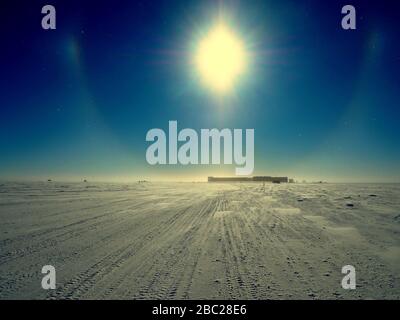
(220, 59)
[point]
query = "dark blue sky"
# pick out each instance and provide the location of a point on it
(78, 101)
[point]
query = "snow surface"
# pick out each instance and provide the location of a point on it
(199, 240)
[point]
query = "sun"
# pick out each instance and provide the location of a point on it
(220, 59)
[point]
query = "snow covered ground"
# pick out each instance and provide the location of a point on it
(199, 240)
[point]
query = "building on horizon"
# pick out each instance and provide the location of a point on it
(250, 179)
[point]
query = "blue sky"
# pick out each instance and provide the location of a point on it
(77, 102)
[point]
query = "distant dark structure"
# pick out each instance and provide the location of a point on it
(250, 179)
(271, 179)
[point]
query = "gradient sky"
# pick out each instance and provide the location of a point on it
(77, 102)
